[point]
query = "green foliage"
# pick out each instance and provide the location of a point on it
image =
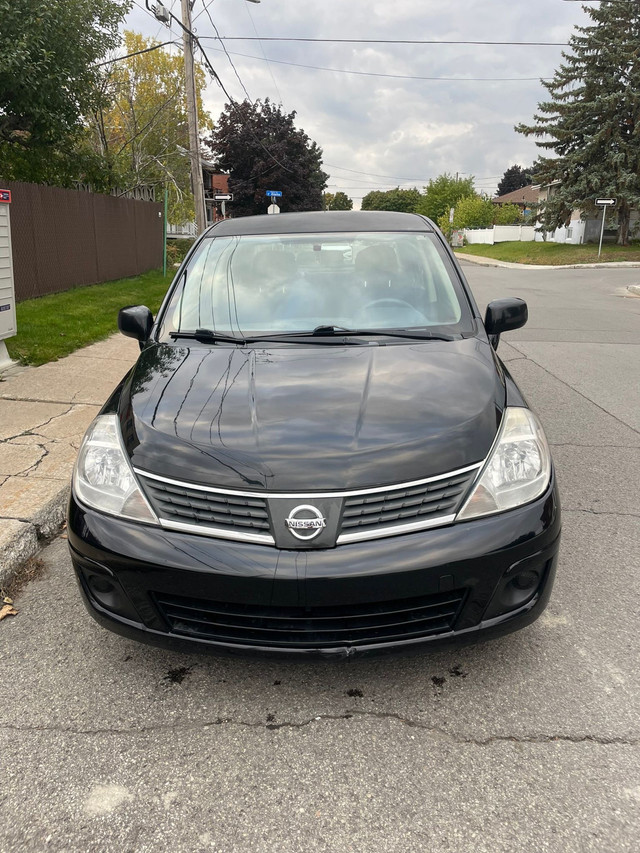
(474, 211)
(177, 250)
(49, 81)
(443, 193)
(139, 128)
(403, 201)
(54, 326)
(591, 121)
(514, 179)
(340, 201)
(260, 148)
(507, 214)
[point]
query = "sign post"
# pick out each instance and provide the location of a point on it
(7, 290)
(604, 203)
(273, 194)
(224, 198)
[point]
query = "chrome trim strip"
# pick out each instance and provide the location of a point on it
(238, 536)
(381, 532)
(311, 495)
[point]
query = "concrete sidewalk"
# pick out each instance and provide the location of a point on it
(44, 412)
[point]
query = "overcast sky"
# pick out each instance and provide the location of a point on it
(396, 131)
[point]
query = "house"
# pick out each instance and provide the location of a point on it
(215, 184)
(525, 198)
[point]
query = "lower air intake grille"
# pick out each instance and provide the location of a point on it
(314, 627)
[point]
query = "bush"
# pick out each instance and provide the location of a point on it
(177, 250)
(508, 214)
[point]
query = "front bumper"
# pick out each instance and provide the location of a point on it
(462, 582)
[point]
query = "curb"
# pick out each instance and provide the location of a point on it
(481, 260)
(22, 539)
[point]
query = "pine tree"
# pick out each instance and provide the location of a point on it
(592, 120)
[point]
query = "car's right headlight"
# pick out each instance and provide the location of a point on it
(517, 470)
(103, 477)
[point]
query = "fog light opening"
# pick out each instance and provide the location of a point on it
(526, 580)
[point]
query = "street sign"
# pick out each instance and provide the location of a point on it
(606, 202)
(273, 208)
(224, 197)
(274, 193)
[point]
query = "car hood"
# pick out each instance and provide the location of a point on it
(311, 417)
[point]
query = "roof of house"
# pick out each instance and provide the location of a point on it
(525, 195)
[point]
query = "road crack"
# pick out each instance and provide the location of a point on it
(535, 738)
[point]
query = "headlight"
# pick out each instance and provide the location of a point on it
(518, 468)
(103, 478)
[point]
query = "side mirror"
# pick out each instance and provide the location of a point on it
(503, 315)
(135, 321)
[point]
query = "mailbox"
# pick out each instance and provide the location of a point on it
(7, 291)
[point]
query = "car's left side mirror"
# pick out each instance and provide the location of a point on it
(135, 321)
(503, 315)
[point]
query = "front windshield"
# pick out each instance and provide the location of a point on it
(295, 283)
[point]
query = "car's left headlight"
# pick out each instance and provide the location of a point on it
(103, 477)
(517, 470)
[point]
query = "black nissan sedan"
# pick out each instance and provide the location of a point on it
(317, 451)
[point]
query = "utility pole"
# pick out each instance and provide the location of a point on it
(192, 118)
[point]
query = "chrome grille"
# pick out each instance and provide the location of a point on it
(399, 506)
(311, 627)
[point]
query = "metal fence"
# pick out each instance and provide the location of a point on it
(66, 238)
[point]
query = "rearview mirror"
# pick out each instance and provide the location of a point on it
(504, 315)
(135, 321)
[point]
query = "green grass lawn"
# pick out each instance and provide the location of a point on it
(54, 326)
(553, 253)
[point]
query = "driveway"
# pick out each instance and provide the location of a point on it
(528, 743)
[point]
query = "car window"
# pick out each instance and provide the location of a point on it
(284, 283)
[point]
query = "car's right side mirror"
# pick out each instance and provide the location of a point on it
(136, 321)
(503, 315)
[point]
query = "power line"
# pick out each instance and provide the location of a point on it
(244, 88)
(399, 41)
(135, 53)
(255, 29)
(380, 74)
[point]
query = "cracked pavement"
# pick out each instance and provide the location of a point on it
(44, 412)
(527, 743)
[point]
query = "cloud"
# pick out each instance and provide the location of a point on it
(383, 126)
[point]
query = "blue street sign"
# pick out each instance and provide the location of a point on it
(274, 193)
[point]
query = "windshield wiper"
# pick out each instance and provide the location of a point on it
(340, 331)
(208, 336)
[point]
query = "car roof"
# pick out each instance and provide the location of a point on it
(329, 221)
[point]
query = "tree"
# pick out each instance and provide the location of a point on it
(507, 214)
(514, 179)
(592, 119)
(443, 193)
(474, 211)
(403, 201)
(139, 128)
(260, 147)
(49, 80)
(340, 201)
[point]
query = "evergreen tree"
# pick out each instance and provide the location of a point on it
(261, 149)
(514, 179)
(592, 120)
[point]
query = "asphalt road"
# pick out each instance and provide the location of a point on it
(529, 743)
